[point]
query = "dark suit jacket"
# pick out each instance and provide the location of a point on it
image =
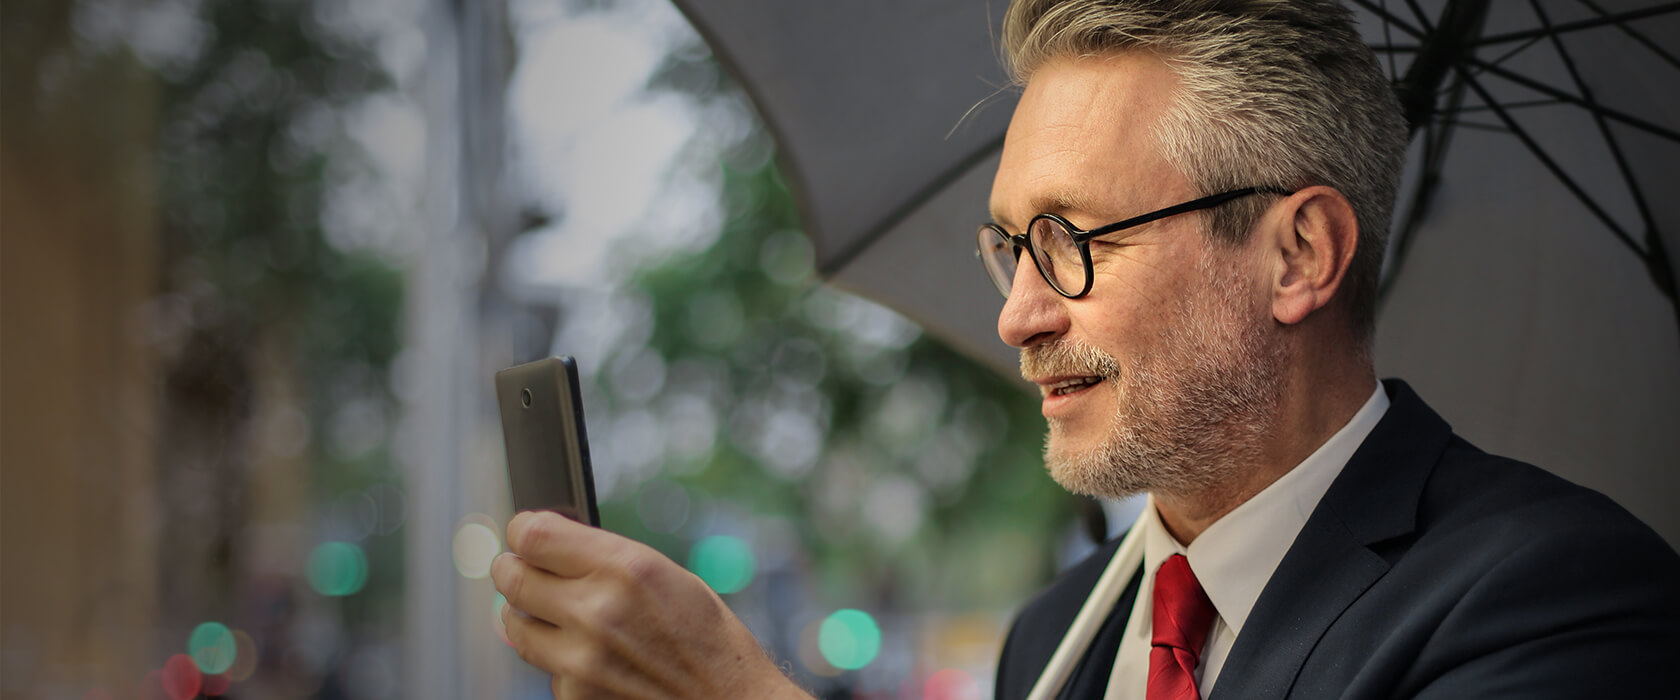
(1430, 569)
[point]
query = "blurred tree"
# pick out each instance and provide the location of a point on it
(910, 474)
(270, 345)
(276, 342)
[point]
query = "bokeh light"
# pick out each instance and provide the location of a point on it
(725, 563)
(151, 686)
(337, 569)
(476, 545)
(212, 647)
(496, 617)
(216, 684)
(181, 677)
(951, 684)
(849, 639)
(810, 651)
(245, 658)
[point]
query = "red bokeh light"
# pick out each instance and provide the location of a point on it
(951, 684)
(181, 677)
(216, 684)
(151, 687)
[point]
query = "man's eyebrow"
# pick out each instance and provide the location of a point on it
(1059, 202)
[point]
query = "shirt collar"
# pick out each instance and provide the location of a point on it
(1236, 555)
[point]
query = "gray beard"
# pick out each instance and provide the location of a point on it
(1193, 413)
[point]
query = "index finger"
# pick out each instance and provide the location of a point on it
(560, 545)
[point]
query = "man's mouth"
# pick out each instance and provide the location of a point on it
(1069, 386)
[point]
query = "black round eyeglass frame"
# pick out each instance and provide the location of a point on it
(1005, 279)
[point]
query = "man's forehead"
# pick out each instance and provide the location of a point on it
(1082, 140)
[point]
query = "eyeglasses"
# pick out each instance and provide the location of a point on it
(1062, 252)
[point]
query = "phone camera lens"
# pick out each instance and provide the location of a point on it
(525, 397)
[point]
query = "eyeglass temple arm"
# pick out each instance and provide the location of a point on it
(1207, 202)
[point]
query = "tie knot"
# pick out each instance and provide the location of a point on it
(1183, 615)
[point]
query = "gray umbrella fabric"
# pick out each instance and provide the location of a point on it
(1526, 296)
(888, 116)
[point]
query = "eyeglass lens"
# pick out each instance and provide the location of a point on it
(1057, 255)
(1053, 251)
(998, 254)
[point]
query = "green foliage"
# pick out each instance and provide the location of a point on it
(249, 135)
(902, 466)
(250, 140)
(250, 129)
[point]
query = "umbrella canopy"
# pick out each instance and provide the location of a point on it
(1530, 292)
(889, 117)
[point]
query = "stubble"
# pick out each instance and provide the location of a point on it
(1194, 408)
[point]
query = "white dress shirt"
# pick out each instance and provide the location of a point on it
(1235, 556)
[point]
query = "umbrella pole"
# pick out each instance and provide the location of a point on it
(1658, 264)
(1448, 44)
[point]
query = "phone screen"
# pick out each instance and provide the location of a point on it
(547, 448)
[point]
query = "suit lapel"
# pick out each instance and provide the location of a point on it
(1331, 564)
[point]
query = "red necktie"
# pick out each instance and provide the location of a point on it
(1183, 618)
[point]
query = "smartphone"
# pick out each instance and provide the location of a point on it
(547, 448)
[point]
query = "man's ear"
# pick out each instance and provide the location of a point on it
(1313, 234)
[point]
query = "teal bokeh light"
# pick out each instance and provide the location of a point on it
(849, 639)
(337, 568)
(212, 647)
(725, 563)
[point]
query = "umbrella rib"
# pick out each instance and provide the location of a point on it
(1516, 50)
(1543, 88)
(1515, 105)
(1475, 125)
(1422, 18)
(1603, 126)
(1582, 24)
(1416, 89)
(903, 210)
(1389, 17)
(1641, 38)
(1436, 138)
(1539, 152)
(1388, 38)
(1501, 59)
(1653, 255)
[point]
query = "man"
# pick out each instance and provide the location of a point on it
(1339, 540)
(1311, 532)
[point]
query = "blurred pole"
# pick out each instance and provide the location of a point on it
(489, 213)
(437, 316)
(451, 650)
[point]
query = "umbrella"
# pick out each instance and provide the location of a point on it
(1530, 289)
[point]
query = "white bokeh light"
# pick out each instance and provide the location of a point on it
(476, 545)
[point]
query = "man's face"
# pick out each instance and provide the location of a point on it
(1166, 374)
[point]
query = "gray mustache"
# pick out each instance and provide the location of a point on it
(1066, 358)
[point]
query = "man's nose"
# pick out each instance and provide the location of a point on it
(1034, 313)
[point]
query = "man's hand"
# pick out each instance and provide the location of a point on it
(611, 617)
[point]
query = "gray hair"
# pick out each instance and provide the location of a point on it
(1273, 93)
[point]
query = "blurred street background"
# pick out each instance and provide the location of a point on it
(260, 260)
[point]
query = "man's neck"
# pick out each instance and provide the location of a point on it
(1307, 418)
